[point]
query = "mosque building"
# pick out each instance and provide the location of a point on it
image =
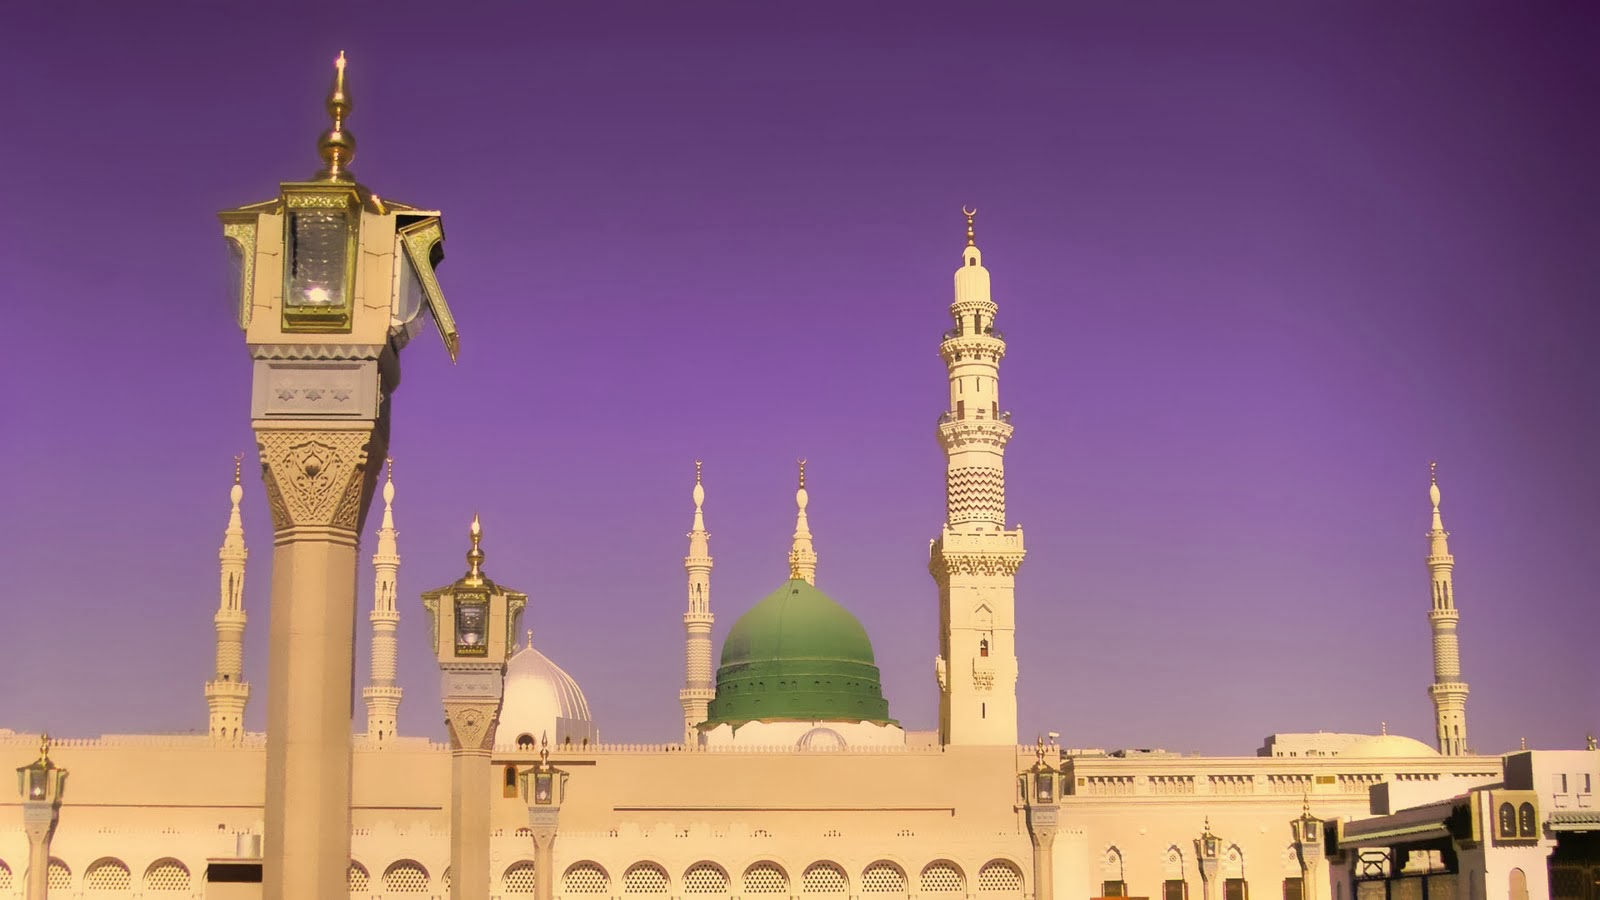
(792, 777)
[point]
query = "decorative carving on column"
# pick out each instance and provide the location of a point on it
(315, 478)
(472, 725)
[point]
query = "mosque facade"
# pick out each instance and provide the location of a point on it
(792, 777)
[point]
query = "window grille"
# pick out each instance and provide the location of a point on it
(5, 877)
(644, 878)
(445, 880)
(406, 877)
(58, 877)
(942, 878)
(518, 879)
(705, 878)
(358, 879)
(883, 878)
(585, 878)
(765, 878)
(166, 875)
(999, 877)
(823, 878)
(1174, 889)
(107, 875)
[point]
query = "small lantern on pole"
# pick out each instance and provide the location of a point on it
(40, 783)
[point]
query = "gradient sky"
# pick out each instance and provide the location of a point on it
(1256, 266)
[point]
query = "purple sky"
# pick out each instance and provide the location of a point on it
(1256, 267)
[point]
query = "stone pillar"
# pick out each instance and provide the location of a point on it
(318, 486)
(1208, 874)
(542, 820)
(1042, 822)
(39, 821)
(472, 729)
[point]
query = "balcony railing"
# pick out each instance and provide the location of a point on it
(987, 332)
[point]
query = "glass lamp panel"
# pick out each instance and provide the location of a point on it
(235, 278)
(471, 624)
(410, 299)
(319, 242)
(543, 788)
(36, 783)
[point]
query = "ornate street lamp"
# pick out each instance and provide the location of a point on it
(1307, 832)
(544, 787)
(1207, 849)
(40, 783)
(1041, 792)
(330, 284)
(473, 622)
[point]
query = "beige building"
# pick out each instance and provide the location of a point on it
(791, 777)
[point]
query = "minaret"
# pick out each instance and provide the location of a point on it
(227, 693)
(698, 687)
(802, 554)
(1448, 691)
(383, 695)
(975, 558)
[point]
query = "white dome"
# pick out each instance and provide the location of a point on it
(1384, 746)
(542, 700)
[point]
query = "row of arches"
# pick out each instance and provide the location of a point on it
(108, 874)
(995, 878)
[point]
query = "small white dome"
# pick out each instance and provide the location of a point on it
(1383, 746)
(541, 699)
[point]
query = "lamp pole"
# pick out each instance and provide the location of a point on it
(1041, 790)
(545, 788)
(472, 622)
(1307, 830)
(1207, 848)
(40, 783)
(331, 284)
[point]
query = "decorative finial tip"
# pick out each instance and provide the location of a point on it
(1384, 726)
(477, 526)
(802, 473)
(970, 213)
(337, 146)
(697, 471)
(238, 462)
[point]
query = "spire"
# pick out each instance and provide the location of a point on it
(1433, 494)
(802, 555)
(1448, 691)
(699, 501)
(384, 693)
(336, 146)
(475, 555)
(970, 213)
(226, 692)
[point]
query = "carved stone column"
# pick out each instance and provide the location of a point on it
(1042, 825)
(39, 821)
(472, 711)
(318, 485)
(542, 820)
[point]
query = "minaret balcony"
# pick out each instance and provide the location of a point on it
(954, 333)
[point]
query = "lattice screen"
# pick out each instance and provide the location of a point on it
(883, 878)
(823, 878)
(518, 879)
(358, 878)
(705, 878)
(406, 877)
(166, 875)
(644, 878)
(107, 875)
(585, 878)
(5, 877)
(765, 878)
(942, 878)
(59, 877)
(999, 877)
(445, 880)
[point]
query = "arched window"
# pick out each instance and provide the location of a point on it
(585, 878)
(942, 877)
(518, 878)
(1508, 820)
(524, 742)
(406, 877)
(705, 878)
(983, 647)
(1000, 878)
(357, 878)
(824, 878)
(107, 875)
(644, 878)
(509, 782)
(883, 877)
(766, 878)
(1527, 827)
(166, 875)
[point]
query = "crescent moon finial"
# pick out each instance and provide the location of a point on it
(969, 213)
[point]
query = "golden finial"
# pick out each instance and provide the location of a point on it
(388, 467)
(1384, 726)
(44, 748)
(969, 213)
(528, 636)
(544, 747)
(1038, 749)
(336, 146)
(1589, 743)
(1305, 805)
(475, 555)
(238, 461)
(697, 471)
(1433, 471)
(1524, 742)
(802, 473)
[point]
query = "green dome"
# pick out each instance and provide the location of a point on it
(797, 655)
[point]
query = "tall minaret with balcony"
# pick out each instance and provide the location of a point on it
(383, 694)
(975, 558)
(698, 687)
(803, 552)
(1448, 691)
(227, 693)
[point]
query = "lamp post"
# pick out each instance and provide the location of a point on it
(544, 787)
(473, 622)
(1041, 786)
(1207, 849)
(40, 783)
(1307, 831)
(331, 284)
